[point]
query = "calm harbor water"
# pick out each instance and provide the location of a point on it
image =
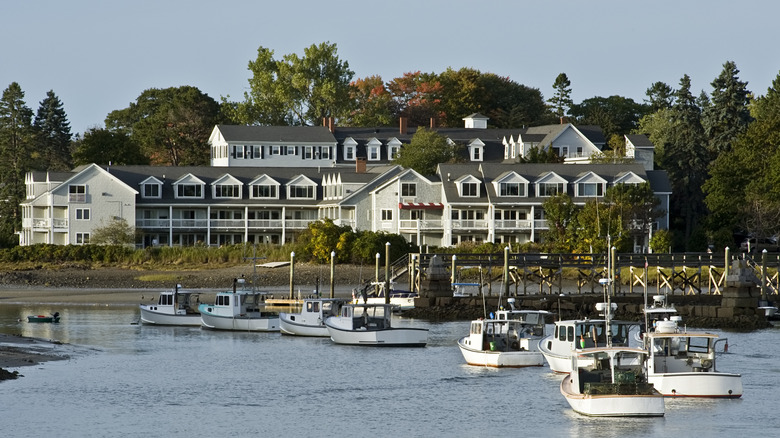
(126, 379)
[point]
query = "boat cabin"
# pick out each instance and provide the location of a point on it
(682, 352)
(590, 333)
(502, 335)
(367, 316)
(610, 371)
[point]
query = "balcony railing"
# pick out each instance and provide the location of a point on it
(470, 224)
(420, 224)
(46, 223)
(513, 224)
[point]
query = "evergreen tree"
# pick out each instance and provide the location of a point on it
(15, 144)
(52, 135)
(561, 100)
(686, 159)
(728, 115)
(660, 96)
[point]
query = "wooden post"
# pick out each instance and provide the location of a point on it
(387, 273)
(505, 287)
(453, 276)
(292, 274)
(332, 274)
(376, 276)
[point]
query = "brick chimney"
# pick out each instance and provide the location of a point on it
(403, 121)
(331, 124)
(433, 122)
(360, 165)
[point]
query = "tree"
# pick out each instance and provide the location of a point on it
(171, 125)
(102, 146)
(52, 135)
(616, 115)
(116, 232)
(728, 116)
(507, 103)
(324, 236)
(561, 99)
(686, 159)
(418, 97)
(426, 151)
(16, 137)
(659, 96)
(371, 102)
(296, 90)
(743, 192)
(560, 213)
(540, 155)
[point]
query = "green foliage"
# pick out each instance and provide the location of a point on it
(660, 96)
(102, 146)
(728, 115)
(171, 125)
(425, 152)
(16, 140)
(561, 99)
(540, 155)
(324, 236)
(661, 242)
(560, 212)
(115, 232)
(296, 90)
(52, 135)
(616, 115)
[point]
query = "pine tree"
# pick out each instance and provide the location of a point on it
(561, 100)
(52, 135)
(15, 144)
(686, 158)
(660, 96)
(728, 115)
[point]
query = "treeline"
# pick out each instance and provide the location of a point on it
(719, 148)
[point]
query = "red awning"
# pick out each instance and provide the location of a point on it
(420, 206)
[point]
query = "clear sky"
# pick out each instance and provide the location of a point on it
(99, 55)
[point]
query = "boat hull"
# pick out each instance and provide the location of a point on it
(499, 359)
(290, 327)
(43, 319)
(698, 384)
(149, 316)
(612, 405)
(389, 337)
(240, 323)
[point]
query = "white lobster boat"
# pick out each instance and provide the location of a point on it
(240, 310)
(683, 364)
(371, 324)
(174, 307)
(611, 382)
(509, 340)
(311, 320)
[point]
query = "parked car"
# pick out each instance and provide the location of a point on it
(754, 245)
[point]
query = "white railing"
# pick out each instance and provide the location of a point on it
(513, 224)
(265, 223)
(420, 224)
(540, 224)
(38, 222)
(468, 224)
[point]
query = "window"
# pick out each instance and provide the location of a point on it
(307, 153)
(264, 191)
(590, 189)
(476, 154)
(510, 189)
(82, 214)
(550, 189)
(77, 193)
(302, 192)
(227, 191)
(373, 153)
(82, 238)
(238, 151)
(189, 191)
(151, 191)
(349, 153)
(290, 150)
(408, 189)
(469, 189)
(393, 152)
(275, 150)
(387, 214)
(325, 153)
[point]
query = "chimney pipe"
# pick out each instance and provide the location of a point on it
(403, 122)
(360, 165)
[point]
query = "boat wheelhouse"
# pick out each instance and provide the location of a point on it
(174, 307)
(242, 309)
(371, 324)
(311, 319)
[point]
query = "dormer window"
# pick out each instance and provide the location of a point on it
(550, 189)
(510, 189)
(151, 188)
(227, 191)
(301, 192)
(188, 186)
(590, 189)
(469, 189)
(264, 187)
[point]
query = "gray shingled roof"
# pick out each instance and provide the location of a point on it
(640, 140)
(273, 134)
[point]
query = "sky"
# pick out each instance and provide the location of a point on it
(99, 56)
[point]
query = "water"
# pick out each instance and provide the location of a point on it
(134, 380)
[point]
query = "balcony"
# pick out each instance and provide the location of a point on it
(513, 224)
(45, 223)
(470, 224)
(420, 225)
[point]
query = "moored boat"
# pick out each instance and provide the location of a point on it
(55, 317)
(683, 364)
(311, 319)
(371, 325)
(611, 382)
(402, 300)
(240, 309)
(174, 307)
(509, 340)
